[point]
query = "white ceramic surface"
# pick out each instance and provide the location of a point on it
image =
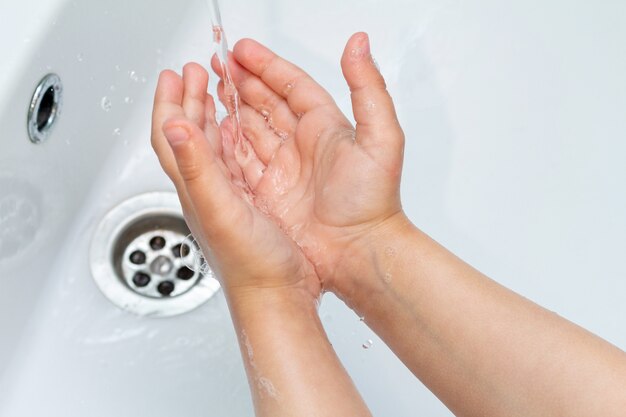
(515, 116)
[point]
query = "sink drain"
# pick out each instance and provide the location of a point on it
(143, 260)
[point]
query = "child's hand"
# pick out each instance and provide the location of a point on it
(270, 285)
(247, 249)
(327, 184)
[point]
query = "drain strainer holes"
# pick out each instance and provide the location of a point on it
(44, 109)
(144, 261)
(149, 264)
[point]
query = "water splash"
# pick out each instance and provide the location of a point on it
(192, 256)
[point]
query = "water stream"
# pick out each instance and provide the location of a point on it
(221, 50)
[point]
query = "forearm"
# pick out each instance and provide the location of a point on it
(482, 349)
(292, 368)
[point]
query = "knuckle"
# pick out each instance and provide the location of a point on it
(249, 131)
(190, 171)
(270, 101)
(242, 81)
(268, 65)
(189, 166)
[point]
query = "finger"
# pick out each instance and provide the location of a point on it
(195, 80)
(372, 105)
(264, 139)
(209, 191)
(209, 111)
(257, 94)
(211, 126)
(244, 156)
(281, 175)
(167, 104)
(302, 93)
(213, 134)
(198, 105)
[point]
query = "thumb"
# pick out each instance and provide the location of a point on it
(374, 112)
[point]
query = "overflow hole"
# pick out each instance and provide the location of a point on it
(46, 109)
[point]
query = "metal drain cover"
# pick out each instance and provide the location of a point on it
(144, 262)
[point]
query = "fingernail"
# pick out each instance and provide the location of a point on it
(176, 134)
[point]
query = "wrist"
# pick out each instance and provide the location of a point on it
(273, 324)
(255, 301)
(251, 282)
(368, 264)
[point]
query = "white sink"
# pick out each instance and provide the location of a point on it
(514, 115)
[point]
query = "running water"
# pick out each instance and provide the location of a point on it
(196, 261)
(221, 46)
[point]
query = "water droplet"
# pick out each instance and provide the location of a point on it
(375, 63)
(367, 344)
(361, 318)
(117, 131)
(144, 79)
(265, 113)
(117, 68)
(356, 52)
(105, 103)
(128, 100)
(282, 135)
(79, 57)
(133, 76)
(112, 88)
